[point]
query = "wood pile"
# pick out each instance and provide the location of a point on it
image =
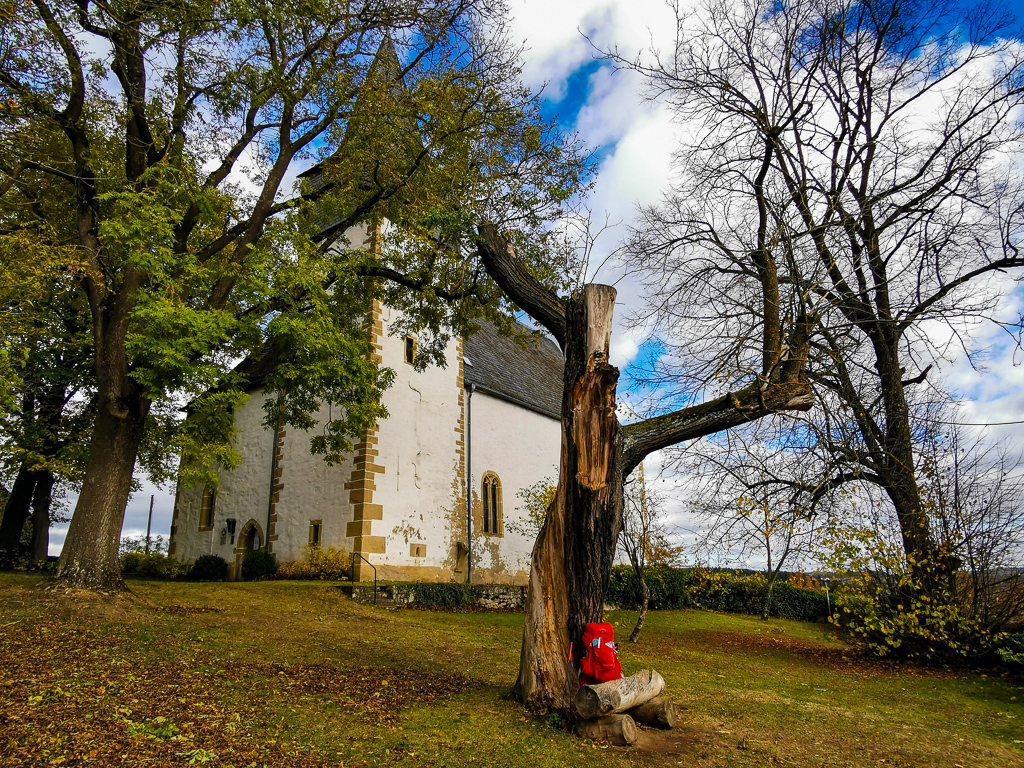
(610, 711)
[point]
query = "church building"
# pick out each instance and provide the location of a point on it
(489, 422)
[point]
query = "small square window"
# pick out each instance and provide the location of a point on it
(410, 349)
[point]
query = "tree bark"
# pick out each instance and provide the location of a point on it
(619, 730)
(659, 712)
(41, 501)
(768, 597)
(618, 695)
(89, 558)
(544, 682)
(16, 510)
(571, 562)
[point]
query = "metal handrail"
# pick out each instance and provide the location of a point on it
(352, 573)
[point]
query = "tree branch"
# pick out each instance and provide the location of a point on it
(512, 276)
(730, 410)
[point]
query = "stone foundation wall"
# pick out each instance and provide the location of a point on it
(497, 597)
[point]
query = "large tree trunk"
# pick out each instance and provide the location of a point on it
(572, 558)
(16, 510)
(896, 461)
(89, 557)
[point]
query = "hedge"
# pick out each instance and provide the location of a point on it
(673, 588)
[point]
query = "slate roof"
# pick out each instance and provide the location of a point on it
(529, 376)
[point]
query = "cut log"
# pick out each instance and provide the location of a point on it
(619, 730)
(618, 695)
(659, 712)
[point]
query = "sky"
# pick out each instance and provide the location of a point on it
(634, 139)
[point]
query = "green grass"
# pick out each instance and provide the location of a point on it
(257, 673)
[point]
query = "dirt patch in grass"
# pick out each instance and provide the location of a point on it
(188, 610)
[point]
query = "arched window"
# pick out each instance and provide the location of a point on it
(206, 510)
(491, 496)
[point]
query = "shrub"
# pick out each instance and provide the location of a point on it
(442, 595)
(130, 562)
(675, 588)
(209, 568)
(258, 564)
(1010, 650)
(668, 587)
(153, 566)
(793, 602)
(21, 560)
(329, 564)
(902, 621)
(157, 544)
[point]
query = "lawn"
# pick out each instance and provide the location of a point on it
(295, 674)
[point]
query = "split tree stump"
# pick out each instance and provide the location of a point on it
(593, 701)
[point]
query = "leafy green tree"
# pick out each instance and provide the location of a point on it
(45, 345)
(175, 127)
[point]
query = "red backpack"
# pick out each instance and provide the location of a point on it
(601, 663)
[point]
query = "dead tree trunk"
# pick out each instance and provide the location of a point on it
(659, 712)
(572, 557)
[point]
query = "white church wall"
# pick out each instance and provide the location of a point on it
(521, 447)
(242, 494)
(311, 490)
(420, 486)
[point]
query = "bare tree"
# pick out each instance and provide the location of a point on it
(974, 493)
(643, 538)
(753, 493)
(863, 151)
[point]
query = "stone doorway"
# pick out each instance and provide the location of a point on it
(250, 538)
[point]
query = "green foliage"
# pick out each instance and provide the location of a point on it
(1010, 648)
(674, 588)
(318, 563)
(128, 184)
(155, 565)
(669, 588)
(130, 562)
(902, 621)
(208, 568)
(21, 560)
(159, 728)
(138, 544)
(536, 499)
(258, 565)
(884, 601)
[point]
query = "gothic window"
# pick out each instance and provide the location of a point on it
(207, 507)
(491, 495)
